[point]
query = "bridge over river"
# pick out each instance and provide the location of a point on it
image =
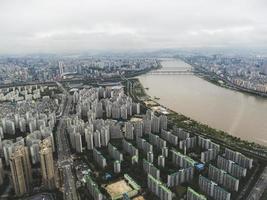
(173, 71)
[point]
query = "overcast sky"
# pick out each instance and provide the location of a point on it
(59, 26)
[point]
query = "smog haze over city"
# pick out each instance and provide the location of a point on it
(133, 99)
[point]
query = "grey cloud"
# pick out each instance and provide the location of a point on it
(78, 25)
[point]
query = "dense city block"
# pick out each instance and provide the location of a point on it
(100, 142)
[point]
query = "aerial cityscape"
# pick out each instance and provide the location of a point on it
(125, 105)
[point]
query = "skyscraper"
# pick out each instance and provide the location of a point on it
(47, 164)
(61, 67)
(21, 170)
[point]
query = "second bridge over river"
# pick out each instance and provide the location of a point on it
(172, 71)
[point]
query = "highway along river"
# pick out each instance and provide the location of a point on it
(239, 114)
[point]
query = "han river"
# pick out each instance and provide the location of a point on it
(239, 114)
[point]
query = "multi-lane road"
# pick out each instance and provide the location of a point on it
(260, 187)
(63, 149)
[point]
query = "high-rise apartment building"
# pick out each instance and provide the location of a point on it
(21, 170)
(193, 195)
(1, 172)
(47, 164)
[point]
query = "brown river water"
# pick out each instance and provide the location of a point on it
(239, 114)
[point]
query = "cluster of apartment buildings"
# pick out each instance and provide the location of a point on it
(248, 72)
(21, 167)
(149, 134)
(26, 141)
(107, 114)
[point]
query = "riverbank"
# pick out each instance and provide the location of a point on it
(253, 149)
(220, 81)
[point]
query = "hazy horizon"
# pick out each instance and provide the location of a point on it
(58, 26)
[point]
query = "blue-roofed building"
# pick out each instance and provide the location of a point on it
(200, 166)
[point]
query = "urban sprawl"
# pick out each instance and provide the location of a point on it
(72, 128)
